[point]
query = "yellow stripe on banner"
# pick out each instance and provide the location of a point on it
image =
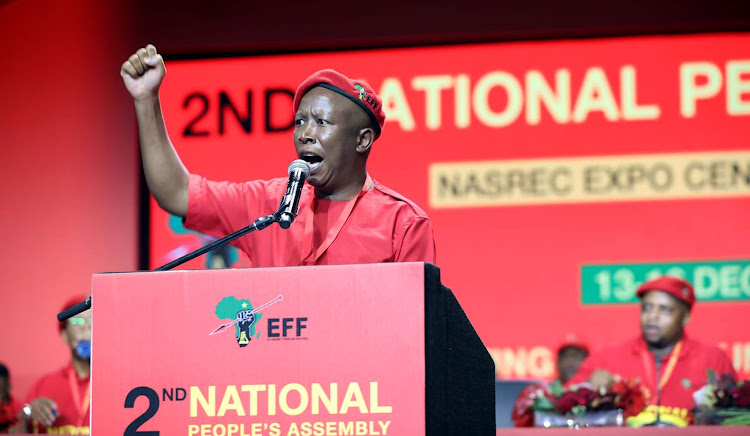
(590, 179)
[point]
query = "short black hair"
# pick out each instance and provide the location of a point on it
(4, 371)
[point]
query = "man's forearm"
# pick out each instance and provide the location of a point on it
(166, 176)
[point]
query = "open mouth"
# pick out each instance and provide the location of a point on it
(312, 158)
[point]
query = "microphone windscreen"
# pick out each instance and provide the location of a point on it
(299, 164)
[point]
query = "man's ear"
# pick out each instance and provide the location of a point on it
(365, 139)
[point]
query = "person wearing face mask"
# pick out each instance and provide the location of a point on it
(670, 364)
(59, 401)
(345, 216)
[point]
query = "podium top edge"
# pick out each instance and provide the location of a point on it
(386, 264)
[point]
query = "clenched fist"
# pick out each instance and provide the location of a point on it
(143, 72)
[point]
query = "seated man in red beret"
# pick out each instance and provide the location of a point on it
(345, 216)
(571, 352)
(662, 354)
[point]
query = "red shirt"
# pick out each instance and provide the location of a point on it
(70, 399)
(631, 359)
(8, 414)
(383, 226)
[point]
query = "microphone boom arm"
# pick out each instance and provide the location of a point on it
(259, 224)
(298, 171)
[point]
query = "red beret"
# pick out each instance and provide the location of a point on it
(573, 341)
(676, 287)
(357, 91)
(72, 301)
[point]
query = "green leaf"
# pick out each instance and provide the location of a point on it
(578, 410)
(543, 404)
(557, 388)
(711, 376)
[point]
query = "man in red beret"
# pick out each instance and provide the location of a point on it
(59, 401)
(670, 365)
(570, 354)
(344, 215)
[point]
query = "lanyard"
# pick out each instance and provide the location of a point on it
(76, 394)
(649, 369)
(310, 255)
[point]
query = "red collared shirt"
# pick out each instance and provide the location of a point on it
(689, 373)
(383, 226)
(57, 387)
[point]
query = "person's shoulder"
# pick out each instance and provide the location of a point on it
(269, 184)
(706, 349)
(389, 195)
(279, 181)
(48, 381)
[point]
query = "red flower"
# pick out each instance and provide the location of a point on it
(629, 396)
(523, 415)
(741, 395)
(624, 394)
(571, 399)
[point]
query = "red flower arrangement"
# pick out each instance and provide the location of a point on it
(723, 401)
(626, 395)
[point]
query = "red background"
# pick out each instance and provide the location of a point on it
(68, 144)
(506, 265)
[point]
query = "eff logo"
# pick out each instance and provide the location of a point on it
(243, 317)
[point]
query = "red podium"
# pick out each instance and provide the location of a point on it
(380, 349)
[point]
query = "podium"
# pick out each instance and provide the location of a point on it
(380, 349)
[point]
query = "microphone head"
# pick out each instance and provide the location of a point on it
(299, 164)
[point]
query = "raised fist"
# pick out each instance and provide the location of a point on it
(143, 72)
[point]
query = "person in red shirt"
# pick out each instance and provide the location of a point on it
(345, 216)
(570, 354)
(9, 407)
(670, 365)
(58, 402)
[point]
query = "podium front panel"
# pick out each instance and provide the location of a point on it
(328, 350)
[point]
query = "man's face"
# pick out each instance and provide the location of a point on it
(569, 359)
(77, 329)
(326, 133)
(663, 318)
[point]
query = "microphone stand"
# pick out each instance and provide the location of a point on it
(259, 224)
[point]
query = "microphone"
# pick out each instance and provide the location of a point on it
(299, 170)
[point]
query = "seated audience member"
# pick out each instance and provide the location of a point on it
(670, 364)
(9, 407)
(570, 354)
(59, 401)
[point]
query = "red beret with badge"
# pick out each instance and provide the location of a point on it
(676, 287)
(357, 91)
